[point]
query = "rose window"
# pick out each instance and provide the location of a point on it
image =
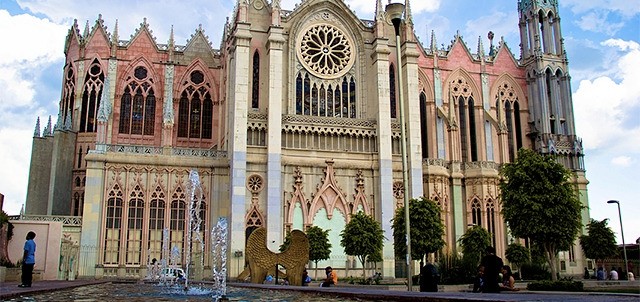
(325, 51)
(255, 183)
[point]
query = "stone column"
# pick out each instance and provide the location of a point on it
(92, 214)
(386, 205)
(274, 210)
(412, 103)
(238, 106)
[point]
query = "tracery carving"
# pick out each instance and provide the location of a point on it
(325, 51)
(297, 196)
(460, 87)
(360, 198)
(329, 195)
(255, 183)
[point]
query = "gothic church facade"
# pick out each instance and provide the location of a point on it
(294, 122)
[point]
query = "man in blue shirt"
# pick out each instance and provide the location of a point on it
(28, 260)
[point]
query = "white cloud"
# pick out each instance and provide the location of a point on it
(596, 21)
(624, 161)
(625, 7)
(160, 16)
(612, 101)
(366, 8)
(501, 23)
(39, 44)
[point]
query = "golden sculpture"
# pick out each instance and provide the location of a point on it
(262, 260)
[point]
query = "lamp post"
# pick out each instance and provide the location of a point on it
(395, 12)
(624, 247)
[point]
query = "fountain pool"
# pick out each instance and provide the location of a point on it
(134, 292)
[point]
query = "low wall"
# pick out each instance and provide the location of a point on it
(48, 239)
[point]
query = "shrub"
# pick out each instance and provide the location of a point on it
(560, 285)
(7, 263)
(533, 271)
(453, 270)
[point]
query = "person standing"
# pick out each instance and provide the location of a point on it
(429, 278)
(28, 260)
(492, 267)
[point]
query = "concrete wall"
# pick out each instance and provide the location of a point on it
(61, 173)
(39, 176)
(48, 238)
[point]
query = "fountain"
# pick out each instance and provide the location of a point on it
(166, 270)
(219, 266)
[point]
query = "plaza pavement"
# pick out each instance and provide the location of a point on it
(9, 290)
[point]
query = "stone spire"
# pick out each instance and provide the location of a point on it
(36, 132)
(275, 13)
(59, 120)
(114, 39)
(379, 11)
(85, 36)
(492, 49)
(480, 49)
(171, 44)
(104, 111)
(67, 121)
(434, 43)
(408, 18)
(47, 129)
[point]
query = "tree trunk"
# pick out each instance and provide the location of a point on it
(4, 242)
(316, 271)
(551, 260)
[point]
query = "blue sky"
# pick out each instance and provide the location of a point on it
(602, 39)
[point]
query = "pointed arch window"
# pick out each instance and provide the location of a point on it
(134, 226)
(177, 221)
(424, 130)
(92, 93)
(156, 223)
(113, 223)
(463, 97)
(138, 105)
(392, 91)
(68, 93)
(80, 158)
(195, 109)
(476, 212)
(491, 220)
(315, 98)
(507, 95)
(255, 83)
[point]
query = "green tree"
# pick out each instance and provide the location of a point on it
(287, 240)
(517, 254)
(600, 243)
(540, 203)
(474, 243)
(6, 232)
(362, 237)
(319, 245)
(375, 258)
(427, 229)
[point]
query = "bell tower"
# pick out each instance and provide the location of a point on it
(551, 120)
(551, 123)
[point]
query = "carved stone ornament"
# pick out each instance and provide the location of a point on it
(255, 183)
(325, 51)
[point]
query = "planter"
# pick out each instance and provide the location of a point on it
(13, 274)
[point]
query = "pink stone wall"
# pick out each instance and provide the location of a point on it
(48, 239)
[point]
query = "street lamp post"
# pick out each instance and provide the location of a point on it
(624, 247)
(395, 12)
